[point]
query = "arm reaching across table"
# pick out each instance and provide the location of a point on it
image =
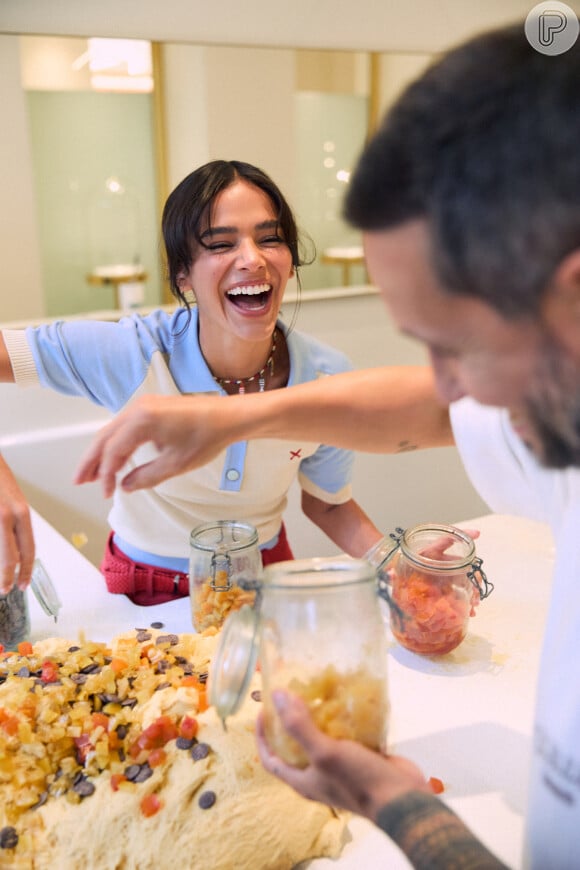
(382, 410)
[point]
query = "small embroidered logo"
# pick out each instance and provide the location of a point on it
(295, 454)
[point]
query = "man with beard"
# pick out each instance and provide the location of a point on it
(469, 201)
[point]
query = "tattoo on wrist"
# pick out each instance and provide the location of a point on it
(405, 446)
(432, 836)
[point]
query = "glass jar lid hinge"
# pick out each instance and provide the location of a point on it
(383, 588)
(221, 570)
(479, 579)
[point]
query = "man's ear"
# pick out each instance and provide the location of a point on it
(561, 304)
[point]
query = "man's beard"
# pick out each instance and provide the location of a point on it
(553, 409)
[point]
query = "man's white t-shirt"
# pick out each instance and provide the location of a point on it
(509, 478)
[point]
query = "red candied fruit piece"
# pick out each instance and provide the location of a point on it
(188, 727)
(83, 747)
(49, 671)
(8, 722)
(116, 780)
(156, 757)
(150, 805)
(436, 785)
(155, 736)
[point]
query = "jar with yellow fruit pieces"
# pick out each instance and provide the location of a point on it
(318, 632)
(221, 554)
(433, 582)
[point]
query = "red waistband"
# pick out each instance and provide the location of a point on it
(142, 584)
(280, 552)
(146, 584)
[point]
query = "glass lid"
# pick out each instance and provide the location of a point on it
(44, 590)
(234, 662)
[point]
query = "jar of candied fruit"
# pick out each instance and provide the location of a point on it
(221, 554)
(318, 631)
(433, 582)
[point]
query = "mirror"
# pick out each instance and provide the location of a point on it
(90, 164)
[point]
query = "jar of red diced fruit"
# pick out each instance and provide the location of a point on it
(433, 582)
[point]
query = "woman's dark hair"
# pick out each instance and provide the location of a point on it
(485, 147)
(188, 209)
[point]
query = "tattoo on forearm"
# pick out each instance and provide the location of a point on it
(405, 446)
(432, 836)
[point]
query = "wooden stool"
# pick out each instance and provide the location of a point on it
(116, 276)
(345, 257)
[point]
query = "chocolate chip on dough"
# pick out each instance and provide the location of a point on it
(84, 788)
(199, 751)
(171, 639)
(132, 772)
(207, 799)
(164, 685)
(138, 772)
(8, 837)
(145, 772)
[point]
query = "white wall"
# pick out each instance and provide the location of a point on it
(43, 435)
(396, 71)
(229, 104)
(185, 103)
(380, 25)
(22, 291)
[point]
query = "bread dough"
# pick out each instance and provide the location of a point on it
(255, 822)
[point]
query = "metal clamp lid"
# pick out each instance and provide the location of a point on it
(479, 579)
(381, 554)
(384, 549)
(234, 663)
(221, 571)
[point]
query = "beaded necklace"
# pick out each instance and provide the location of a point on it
(261, 375)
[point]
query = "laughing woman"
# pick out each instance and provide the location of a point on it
(232, 242)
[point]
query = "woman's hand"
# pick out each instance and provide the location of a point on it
(16, 537)
(340, 773)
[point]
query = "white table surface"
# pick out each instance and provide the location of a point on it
(465, 717)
